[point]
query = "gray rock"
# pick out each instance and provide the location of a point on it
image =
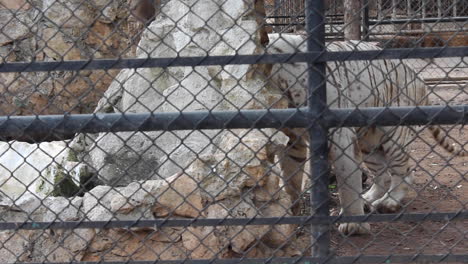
(59, 245)
(15, 26)
(108, 10)
(67, 14)
(14, 246)
(96, 203)
(122, 158)
(61, 209)
(208, 242)
(26, 207)
(241, 161)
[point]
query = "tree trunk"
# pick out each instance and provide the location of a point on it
(352, 19)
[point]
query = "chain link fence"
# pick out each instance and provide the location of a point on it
(195, 131)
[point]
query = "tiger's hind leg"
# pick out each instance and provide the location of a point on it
(292, 166)
(376, 163)
(401, 178)
(346, 159)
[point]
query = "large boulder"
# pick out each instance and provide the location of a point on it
(31, 168)
(201, 29)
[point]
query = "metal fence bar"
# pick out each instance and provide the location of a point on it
(44, 128)
(417, 20)
(55, 127)
(421, 258)
(310, 57)
(318, 132)
(365, 21)
(278, 16)
(300, 220)
(398, 116)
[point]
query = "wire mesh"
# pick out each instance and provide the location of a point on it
(230, 131)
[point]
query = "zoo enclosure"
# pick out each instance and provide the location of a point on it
(316, 117)
(416, 18)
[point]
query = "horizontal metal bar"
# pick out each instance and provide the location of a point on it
(407, 53)
(416, 258)
(412, 33)
(291, 16)
(303, 23)
(60, 127)
(120, 63)
(417, 20)
(377, 22)
(297, 220)
(395, 116)
(389, 21)
(285, 24)
(328, 16)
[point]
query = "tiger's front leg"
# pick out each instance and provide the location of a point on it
(292, 163)
(349, 179)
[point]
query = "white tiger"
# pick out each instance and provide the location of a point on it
(383, 149)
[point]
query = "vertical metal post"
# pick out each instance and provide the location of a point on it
(276, 12)
(317, 103)
(409, 13)
(394, 9)
(365, 20)
(395, 16)
(423, 9)
(380, 12)
(455, 2)
(439, 8)
(352, 19)
(424, 14)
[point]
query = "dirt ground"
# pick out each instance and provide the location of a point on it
(441, 185)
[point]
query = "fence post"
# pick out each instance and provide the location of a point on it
(380, 13)
(317, 103)
(365, 20)
(439, 8)
(276, 13)
(455, 3)
(352, 19)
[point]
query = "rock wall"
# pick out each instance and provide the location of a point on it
(200, 30)
(245, 185)
(49, 30)
(183, 174)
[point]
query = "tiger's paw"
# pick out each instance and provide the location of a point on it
(386, 205)
(374, 193)
(370, 196)
(352, 229)
(368, 208)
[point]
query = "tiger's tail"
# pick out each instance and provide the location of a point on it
(441, 137)
(446, 143)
